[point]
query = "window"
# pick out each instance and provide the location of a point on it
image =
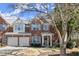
(45, 27)
(27, 28)
(19, 28)
(3, 27)
(36, 27)
(36, 40)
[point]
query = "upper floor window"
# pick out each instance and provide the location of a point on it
(36, 27)
(19, 28)
(45, 27)
(27, 28)
(3, 27)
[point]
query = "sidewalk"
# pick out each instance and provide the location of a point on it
(12, 48)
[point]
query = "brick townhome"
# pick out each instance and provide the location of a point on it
(25, 33)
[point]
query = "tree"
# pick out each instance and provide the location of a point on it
(67, 13)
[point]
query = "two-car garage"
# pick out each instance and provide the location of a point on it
(18, 40)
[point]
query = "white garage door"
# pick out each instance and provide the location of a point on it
(12, 41)
(24, 41)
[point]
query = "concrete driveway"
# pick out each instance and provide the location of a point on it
(8, 50)
(31, 51)
(25, 51)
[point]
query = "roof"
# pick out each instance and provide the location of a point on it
(46, 33)
(2, 21)
(36, 20)
(26, 22)
(21, 21)
(10, 19)
(16, 33)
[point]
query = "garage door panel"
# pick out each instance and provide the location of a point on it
(12, 41)
(24, 41)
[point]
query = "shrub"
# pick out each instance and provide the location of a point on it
(71, 44)
(35, 45)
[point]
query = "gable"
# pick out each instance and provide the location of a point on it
(18, 21)
(18, 26)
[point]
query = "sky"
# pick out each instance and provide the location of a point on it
(7, 11)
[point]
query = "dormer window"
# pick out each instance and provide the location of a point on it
(19, 28)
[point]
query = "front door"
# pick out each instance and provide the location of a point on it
(46, 40)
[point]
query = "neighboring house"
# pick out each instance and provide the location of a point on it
(26, 33)
(3, 27)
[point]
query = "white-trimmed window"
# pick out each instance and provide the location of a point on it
(36, 40)
(36, 27)
(3, 27)
(19, 28)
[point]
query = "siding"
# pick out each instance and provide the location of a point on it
(75, 35)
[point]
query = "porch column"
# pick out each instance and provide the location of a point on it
(50, 40)
(42, 40)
